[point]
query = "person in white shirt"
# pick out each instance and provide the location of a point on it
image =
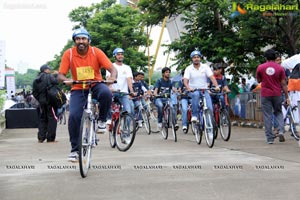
(124, 82)
(196, 77)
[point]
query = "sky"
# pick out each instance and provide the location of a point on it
(35, 30)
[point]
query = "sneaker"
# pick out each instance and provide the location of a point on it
(125, 138)
(140, 123)
(184, 129)
(73, 157)
(101, 127)
(270, 142)
(281, 138)
(194, 119)
(159, 125)
(108, 122)
(176, 126)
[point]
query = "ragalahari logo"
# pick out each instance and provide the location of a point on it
(237, 10)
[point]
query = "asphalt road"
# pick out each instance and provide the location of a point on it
(244, 168)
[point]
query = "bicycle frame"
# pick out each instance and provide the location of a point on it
(87, 133)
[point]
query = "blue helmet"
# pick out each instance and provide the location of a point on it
(81, 32)
(117, 50)
(196, 52)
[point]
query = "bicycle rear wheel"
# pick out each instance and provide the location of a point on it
(208, 128)
(112, 132)
(225, 125)
(85, 144)
(146, 121)
(125, 131)
(189, 117)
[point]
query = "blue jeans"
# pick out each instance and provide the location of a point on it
(195, 102)
(78, 102)
(269, 104)
(184, 109)
(126, 103)
(137, 104)
(159, 102)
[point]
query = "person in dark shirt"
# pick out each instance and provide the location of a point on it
(162, 86)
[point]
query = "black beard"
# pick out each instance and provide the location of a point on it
(82, 47)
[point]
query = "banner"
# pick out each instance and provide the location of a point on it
(2, 64)
(10, 82)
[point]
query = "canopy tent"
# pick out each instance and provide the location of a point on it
(291, 62)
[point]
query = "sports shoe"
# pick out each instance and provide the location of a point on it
(184, 129)
(125, 138)
(270, 142)
(159, 125)
(281, 138)
(140, 123)
(176, 126)
(101, 127)
(73, 157)
(194, 119)
(108, 122)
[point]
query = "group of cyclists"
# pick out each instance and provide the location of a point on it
(84, 62)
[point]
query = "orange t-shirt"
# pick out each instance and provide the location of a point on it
(84, 67)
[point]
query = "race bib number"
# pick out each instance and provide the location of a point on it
(85, 73)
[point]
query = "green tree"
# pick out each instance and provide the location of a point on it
(111, 26)
(236, 41)
(119, 26)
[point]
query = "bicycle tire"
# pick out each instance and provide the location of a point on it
(225, 125)
(216, 120)
(294, 127)
(208, 128)
(197, 131)
(112, 133)
(126, 131)
(165, 124)
(189, 117)
(85, 144)
(146, 122)
(172, 125)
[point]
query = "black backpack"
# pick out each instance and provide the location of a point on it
(55, 95)
(39, 88)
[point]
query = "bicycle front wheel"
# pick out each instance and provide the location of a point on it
(172, 121)
(225, 125)
(294, 127)
(197, 131)
(146, 121)
(85, 144)
(208, 128)
(165, 124)
(125, 131)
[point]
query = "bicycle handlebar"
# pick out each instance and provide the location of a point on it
(163, 96)
(88, 82)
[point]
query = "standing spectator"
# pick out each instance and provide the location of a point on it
(272, 78)
(48, 123)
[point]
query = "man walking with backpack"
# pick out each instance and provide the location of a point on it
(48, 123)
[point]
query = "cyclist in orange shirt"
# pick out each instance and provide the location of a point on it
(85, 62)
